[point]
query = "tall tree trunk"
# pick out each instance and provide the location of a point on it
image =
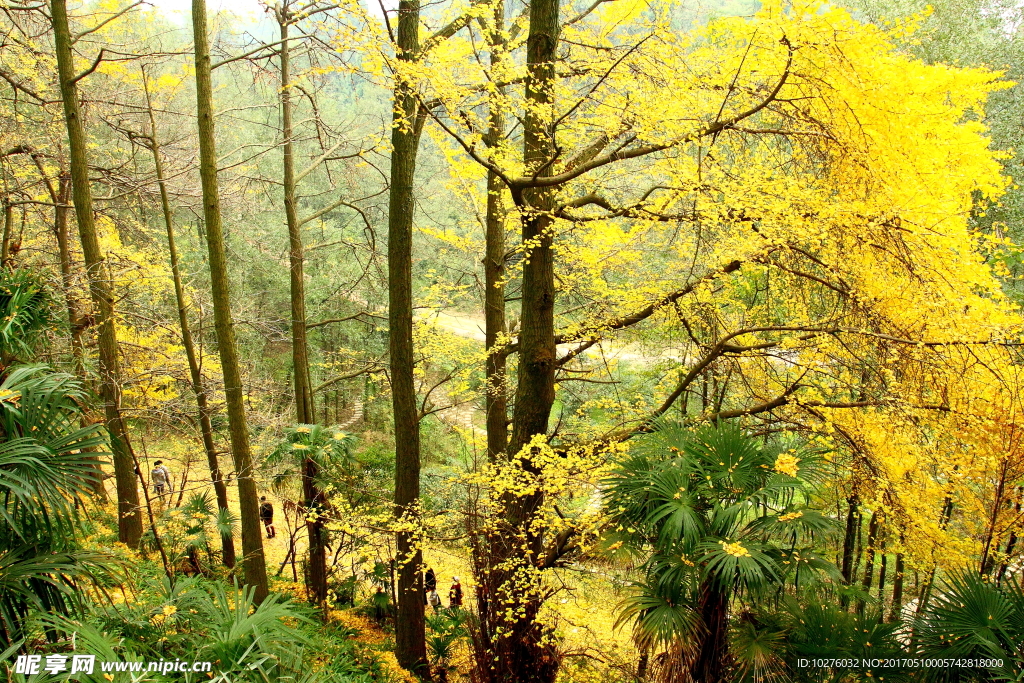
(985, 565)
(520, 651)
(128, 511)
(882, 570)
(254, 563)
(897, 587)
(227, 541)
(405, 140)
(869, 563)
(1011, 543)
(849, 542)
(496, 397)
(305, 412)
(5, 244)
(496, 400)
(77, 322)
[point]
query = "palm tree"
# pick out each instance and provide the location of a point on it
(770, 640)
(24, 314)
(717, 514)
(45, 470)
(44, 475)
(308, 452)
(974, 618)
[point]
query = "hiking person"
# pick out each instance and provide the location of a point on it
(161, 478)
(434, 600)
(455, 594)
(429, 584)
(267, 516)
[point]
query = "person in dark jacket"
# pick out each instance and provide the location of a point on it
(267, 516)
(429, 584)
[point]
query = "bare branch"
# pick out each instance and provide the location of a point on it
(106, 21)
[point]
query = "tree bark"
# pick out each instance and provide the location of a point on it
(405, 137)
(882, 570)
(897, 588)
(129, 514)
(521, 652)
(305, 411)
(710, 664)
(254, 563)
(985, 565)
(220, 489)
(5, 244)
(496, 399)
(849, 542)
(77, 321)
(869, 563)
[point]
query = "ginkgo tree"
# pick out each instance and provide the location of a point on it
(795, 218)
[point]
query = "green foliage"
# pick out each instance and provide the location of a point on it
(193, 528)
(25, 313)
(768, 643)
(44, 474)
(711, 507)
(974, 618)
(199, 620)
(328, 447)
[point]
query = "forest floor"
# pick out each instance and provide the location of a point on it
(582, 610)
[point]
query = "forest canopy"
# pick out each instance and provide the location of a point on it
(511, 341)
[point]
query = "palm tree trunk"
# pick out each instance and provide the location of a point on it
(712, 648)
(405, 140)
(254, 563)
(220, 489)
(129, 515)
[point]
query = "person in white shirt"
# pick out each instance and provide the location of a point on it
(161, 478)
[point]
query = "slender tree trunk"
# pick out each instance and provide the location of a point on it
(305, 411)
(882, 570)
(897, 587)
(254, 563)
(985, 565)
(496, 400)
(5, 245)
(1011, 544)
(849, 542)
(129, 515)
(405, 139)
(925, 593)
(521, 652)
(195, 373)
(869, 563)
(77, 321)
